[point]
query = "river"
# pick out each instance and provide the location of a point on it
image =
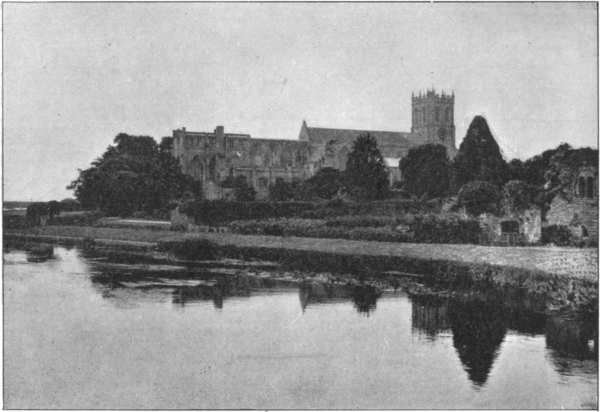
(81, 332)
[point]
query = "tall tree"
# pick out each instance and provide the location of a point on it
(325, 184)
(366, 175)
(426, 170)
(132, 175)
(479, 157)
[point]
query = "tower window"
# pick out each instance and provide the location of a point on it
(437, 114)
(448, 115)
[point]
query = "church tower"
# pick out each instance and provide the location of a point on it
(433, 120)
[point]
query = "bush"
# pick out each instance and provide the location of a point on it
(479, 197)
(220, 212)
(282, 191)
(83, 218)
(358, 221)
(423, 228)
(518, 195)
(445, 229)
(560, 235)
(69, 205)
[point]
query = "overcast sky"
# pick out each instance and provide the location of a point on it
(76, 75)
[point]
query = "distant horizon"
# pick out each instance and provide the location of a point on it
(77, 74)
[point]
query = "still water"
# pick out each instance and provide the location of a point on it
(80, 332)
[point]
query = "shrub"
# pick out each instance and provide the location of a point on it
(479, 197)
(281, 191)
(220, 212)
(36, 211)
(361, 220)
(423, 228)
(560, 235)
(82, 218)
(445, 229)
(518, 195)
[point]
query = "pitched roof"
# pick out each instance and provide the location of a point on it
(324, 135)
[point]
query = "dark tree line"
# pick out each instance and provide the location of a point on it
(134, 174)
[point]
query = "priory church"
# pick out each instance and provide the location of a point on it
(210, 157)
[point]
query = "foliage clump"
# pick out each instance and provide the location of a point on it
(366, 175)
(478, 197)
(426, 171)
(479, 157)
(134, 174)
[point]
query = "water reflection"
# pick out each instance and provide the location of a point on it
(479, 326)
(364, 297)
(429, 316)
(572, 339)
(156, 324)
(478, 329)
(187, 287)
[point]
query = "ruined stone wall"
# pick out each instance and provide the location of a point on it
(211, 157)
(574, 213)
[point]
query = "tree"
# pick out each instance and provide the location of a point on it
(426, 171)
(516, 170)
(325, 184)
(564, 164)
(479, 197)
(366, 176)
(134, 174)
(280, 191)
(518, 195)
(242, 191)
(479, 157)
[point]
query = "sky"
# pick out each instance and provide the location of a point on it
(77, 74)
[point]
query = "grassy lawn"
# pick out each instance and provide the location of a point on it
(567, 261)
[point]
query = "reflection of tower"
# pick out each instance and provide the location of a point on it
(433, 120)
(478, 329)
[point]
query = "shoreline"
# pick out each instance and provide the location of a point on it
(560, 291)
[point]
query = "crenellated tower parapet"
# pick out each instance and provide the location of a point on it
(433, 119)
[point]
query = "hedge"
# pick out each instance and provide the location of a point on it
(445, 228)
(220, 212)
(560, 235)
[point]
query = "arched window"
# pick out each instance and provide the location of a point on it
(448, 114)
(581, 186)
(212, 168)
(437, 114)
(590, 187)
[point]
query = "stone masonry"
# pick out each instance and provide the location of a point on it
(212, 157)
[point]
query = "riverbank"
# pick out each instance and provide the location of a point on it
(564, 278)
(570, 262)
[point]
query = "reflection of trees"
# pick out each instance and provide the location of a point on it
(183, 287)
(364, 297)
(430, 315)
(571, 340)
(478, 329)
(217, 292)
